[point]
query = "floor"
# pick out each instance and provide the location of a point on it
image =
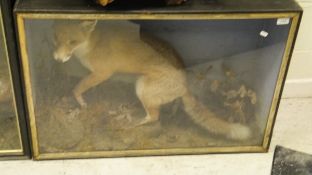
(293, 130)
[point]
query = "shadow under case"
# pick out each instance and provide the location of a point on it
(192, 79)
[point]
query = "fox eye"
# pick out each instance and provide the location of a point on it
(72, 42)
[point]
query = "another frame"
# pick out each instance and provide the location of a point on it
(10, 57)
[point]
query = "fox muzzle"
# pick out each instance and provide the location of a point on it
(61, 57)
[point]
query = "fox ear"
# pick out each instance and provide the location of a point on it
(88, 26)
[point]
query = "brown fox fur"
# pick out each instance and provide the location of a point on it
(116, 47)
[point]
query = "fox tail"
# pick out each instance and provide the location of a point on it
(205, 118)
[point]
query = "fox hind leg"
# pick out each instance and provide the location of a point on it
(151, 109)
(154, 91)
(152, 115)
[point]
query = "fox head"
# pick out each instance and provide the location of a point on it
(69, 35)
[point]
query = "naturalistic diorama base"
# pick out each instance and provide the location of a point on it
(110, 120)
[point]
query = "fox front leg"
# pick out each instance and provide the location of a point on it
(86, 83)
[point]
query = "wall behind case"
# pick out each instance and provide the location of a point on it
(299, 80)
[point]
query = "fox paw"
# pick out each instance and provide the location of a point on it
(83, 105)
(147, 120)
(81, 102)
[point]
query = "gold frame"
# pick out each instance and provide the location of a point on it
(171, 151)
(13, 152)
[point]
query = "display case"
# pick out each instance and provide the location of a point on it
(202, 77)
(13, 135)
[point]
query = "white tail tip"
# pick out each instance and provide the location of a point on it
(240, 132)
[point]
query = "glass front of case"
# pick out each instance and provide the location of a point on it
(10, 138)
(116, 87)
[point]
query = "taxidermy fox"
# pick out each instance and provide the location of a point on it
(116, 47)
